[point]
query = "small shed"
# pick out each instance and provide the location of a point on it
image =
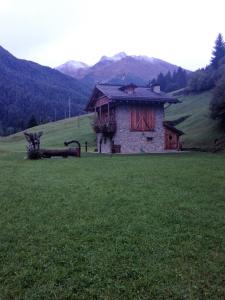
(172, 137)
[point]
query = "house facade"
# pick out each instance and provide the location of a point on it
(130, 119)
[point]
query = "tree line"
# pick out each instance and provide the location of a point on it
(32, 94)
(171, 81)
(213, 77)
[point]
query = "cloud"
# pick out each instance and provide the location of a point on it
(31, 24)
(53, 31)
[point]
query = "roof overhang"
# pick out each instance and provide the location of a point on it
(172, 128)
(146, 99)
(128, 99)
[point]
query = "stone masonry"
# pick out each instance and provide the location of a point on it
(135, 141)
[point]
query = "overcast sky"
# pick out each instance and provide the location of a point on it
(52, 32)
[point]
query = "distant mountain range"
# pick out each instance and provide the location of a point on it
(120, 68)
(27, 89)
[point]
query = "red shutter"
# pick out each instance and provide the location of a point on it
(150, 119)
(142, 119)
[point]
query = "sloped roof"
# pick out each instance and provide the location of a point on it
(172, 128)
(117, 93)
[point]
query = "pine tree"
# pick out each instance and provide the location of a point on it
(171, 82)
(153, 81)
(161, 81)
(168, 78)
(218, 52)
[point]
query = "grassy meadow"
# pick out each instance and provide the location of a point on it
(110, 227)
(54, 134)
(200, 130)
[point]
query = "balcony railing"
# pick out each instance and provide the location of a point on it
(105, 126)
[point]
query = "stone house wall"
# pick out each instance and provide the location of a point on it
(135, 141)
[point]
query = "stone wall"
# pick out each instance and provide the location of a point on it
(136, 141)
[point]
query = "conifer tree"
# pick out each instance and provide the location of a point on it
(218, 52)
(217, 104)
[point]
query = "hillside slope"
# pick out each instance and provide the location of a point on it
(200, 130)
(27, 89)
(54, 134)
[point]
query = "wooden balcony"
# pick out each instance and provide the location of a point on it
(105, 126)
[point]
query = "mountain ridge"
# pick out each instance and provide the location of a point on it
(140, 67)
(28, 88)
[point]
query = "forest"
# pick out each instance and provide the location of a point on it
(212, 77)
(32, 93)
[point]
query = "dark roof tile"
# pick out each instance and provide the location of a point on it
(140, 94)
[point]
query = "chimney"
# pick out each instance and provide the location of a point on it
(156, 88)
(129, 89)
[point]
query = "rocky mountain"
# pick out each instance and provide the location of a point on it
(120, 68)
(73, 68)
(27, 88)
(116, 57)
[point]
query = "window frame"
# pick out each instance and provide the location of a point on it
(147, 115)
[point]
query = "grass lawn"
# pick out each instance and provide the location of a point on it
(112, 227)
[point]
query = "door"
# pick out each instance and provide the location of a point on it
(171, 140)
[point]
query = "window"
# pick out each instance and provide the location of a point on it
(142, 118)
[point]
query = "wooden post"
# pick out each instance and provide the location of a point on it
(69, 108)
(100, 146)
(85, 146)
(108, 112)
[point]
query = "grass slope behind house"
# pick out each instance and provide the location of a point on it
(54, 134)
(200, 130)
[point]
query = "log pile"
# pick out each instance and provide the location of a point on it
(34, 151)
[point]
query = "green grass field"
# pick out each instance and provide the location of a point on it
(110, 227)
(200, 130)
(54, 134)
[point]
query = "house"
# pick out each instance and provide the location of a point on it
(130, 119)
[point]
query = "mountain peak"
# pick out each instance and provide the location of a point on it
(144, 57)
(115, 57)
(44, 93)
(74, 64)
(119, 56)
(137, 68)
